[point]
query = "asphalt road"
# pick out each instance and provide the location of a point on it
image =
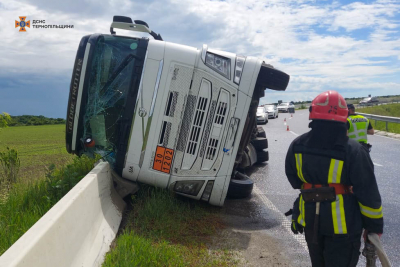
(274, 196)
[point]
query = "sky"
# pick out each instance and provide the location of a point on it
(349, 46)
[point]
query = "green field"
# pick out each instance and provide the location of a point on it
(391, 110)
(38, 147)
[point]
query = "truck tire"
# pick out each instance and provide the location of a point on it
(260, 143)
(240, 187)
(261, 132)
(262, 156)
(271, 78)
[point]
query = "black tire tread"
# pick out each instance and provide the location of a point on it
(260, 143)
(262, 156)
(272, 78)
(240, 188)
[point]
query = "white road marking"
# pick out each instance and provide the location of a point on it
(294, 133)
(376, 164)
(284, 221)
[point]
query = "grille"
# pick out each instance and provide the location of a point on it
(187, 118)
(196, 127)
(221, 111)
(173, 104)
(167, 132)
(211, 149)
(208, 128)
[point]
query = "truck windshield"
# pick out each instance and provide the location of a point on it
(111, 74)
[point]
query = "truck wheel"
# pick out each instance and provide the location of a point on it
(271, 78)
(261, 132)
(262, 156)
(240, 188)
(259, 143)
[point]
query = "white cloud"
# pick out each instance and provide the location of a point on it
(317, 43)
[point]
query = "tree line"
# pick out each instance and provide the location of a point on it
(27, 120)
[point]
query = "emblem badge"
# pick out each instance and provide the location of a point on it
(142, 112)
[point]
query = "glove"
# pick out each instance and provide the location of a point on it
(365, 235)
(296, 227)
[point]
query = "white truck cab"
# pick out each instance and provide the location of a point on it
(168, 115)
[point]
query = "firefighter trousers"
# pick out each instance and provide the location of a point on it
(342, 251)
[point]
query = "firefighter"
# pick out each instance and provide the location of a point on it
(358, 127)
(339, 194)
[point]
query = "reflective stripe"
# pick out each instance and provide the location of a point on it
(358, 130)
(301, 218)
(370, 212)
(299, 166)
(335, 171)
(338, 216)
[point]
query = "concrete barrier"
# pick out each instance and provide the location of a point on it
(77, 231)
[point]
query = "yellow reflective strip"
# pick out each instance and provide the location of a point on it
(339, 171)
(342, 215)
(371, 215)
(301, 218)
(330, 174)
(370, 209)
(370, 212)
(334, 217)
(299, 166)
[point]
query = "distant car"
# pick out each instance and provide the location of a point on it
(369, 101)
(286, 107)
(262, 115)
(272, 111)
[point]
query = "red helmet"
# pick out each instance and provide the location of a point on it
(329, 105)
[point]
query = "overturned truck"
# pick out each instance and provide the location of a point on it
(169, 115)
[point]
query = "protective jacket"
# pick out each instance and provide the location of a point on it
(358, 127)
(313, 159)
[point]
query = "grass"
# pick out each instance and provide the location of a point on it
(37, 146)
(163, 230)
(28, 202)
(391, 110)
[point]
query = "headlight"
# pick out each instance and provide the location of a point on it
(220, 64)
(207, 191)
(188, 187)
(239, 69)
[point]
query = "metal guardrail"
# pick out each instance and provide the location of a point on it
(381, 118)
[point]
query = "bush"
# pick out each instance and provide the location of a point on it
(9, 167)
(5, 119)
